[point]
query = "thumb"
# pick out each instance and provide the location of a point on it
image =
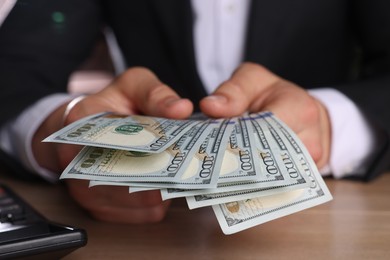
(150, 96)
(236, 95)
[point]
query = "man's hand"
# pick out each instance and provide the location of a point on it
(253, 88)
(115, 204)
(136, 91)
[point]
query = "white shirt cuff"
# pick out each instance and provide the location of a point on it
(16, 136)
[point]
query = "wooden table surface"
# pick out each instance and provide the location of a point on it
(354, 225)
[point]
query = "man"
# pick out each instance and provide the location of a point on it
(282, 48)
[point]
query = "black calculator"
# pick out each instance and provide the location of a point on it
(26, 234)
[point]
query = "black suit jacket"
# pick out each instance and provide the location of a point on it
(325, 43)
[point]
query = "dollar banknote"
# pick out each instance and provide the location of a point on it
(172, 166)
(278, 168)
(135, 133)
(276, 157)
(242, 214)
(206, 163)
(240, 162)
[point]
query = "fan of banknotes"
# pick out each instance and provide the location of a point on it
(250, 169)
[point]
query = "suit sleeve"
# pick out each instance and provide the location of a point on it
(41, 43)
(371, 91)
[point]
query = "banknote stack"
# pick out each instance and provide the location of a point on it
(250, 169)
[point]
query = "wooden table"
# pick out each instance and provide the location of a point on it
(355, 225)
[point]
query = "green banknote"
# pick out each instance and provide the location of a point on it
(134, 133)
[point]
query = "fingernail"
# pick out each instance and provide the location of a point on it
(172, 101)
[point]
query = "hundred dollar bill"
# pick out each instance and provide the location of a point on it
(278, 171)
(96, 163)
(201, 170)
(240, 215)
(288, 137)
(276, 157)
(240, 162)
(210, 199)
(205, 166)
(135, 133)
(243, 214)
(284, 156)
(195, 162)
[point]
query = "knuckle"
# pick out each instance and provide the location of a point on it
(135, 74)
(315, 150)
(158, 91)
(317, 154)
(312, 114)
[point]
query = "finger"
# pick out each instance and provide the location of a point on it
(152, 97)
(115, 204)
(118, 197)
(131, 215)
(110, 195)
(309, 120)
(66, 153)
(318, 138)
(236, 95)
